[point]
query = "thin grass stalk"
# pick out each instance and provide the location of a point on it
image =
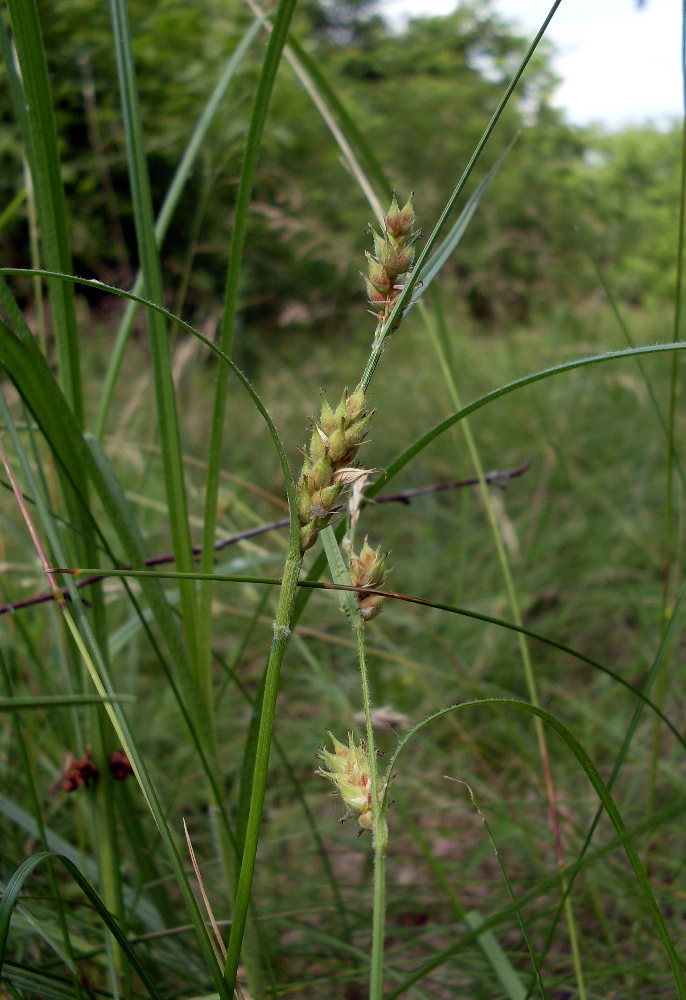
(259, 783)
(272, 58)
(152, 275)
(87, 646)
(440, 342)
(349, 604)
(232, 677)
(40, 138)
(169, 205)
(661, 693)
(380, 832)
(383, 332)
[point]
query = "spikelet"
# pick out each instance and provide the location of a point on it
(393, 257)
(349, 768)
(334, 444)
(368, 570)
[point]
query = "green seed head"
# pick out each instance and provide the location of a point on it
(323, 501)
(349, 768)
(321, 473)
(304, 500)
(328, 421)
(371, 606)
(400, 221)
(355, 405)
(309, 534)
(368, 569)
(379, 276)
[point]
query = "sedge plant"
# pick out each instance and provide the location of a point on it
(119, 722)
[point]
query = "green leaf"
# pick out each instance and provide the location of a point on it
(40, 138)
(601, 790)
(57, 700)
(169, 205)
(447, 247)
(167, 415)
(16, 884)
(340, 576)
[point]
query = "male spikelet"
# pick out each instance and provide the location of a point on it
(349, 768)
(368, 569)
(335, 442)
(392, 258)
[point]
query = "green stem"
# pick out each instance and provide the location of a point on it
(385, 330)
(380, 833)
(440, 345)
(661, 694)
(265, 86)
(271, 689)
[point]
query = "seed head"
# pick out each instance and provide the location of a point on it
(349, 768)
(335, 441)
(368, 570)
(400, 221)
(393, 256)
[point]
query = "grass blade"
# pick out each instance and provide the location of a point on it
(408, 288)
(41, 148)
(601, 790)
(447, 247)
(167, 415)
(166, 213)
(16, 884)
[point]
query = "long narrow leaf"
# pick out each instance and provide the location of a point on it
(167, 414)
(602, 792)
(166, 213)
(16, 884)
(87, 645)
(427, 274)
(41, 147)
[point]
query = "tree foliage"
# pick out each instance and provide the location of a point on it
(421, 97)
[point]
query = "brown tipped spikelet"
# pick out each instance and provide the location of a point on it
(120, 766)
(77, 772)
(368, 570)
(349, 768)
(335, 442)
(393, 256)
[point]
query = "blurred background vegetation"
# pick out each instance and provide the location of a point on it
(421, 97)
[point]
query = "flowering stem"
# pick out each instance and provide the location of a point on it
(282, 618)
(373, 361)
(380, 833)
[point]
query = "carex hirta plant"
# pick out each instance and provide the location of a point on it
(119, 724)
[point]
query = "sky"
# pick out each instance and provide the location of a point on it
(620, 65)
